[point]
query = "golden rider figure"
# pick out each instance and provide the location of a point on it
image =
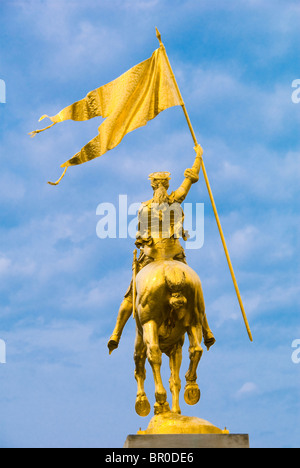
(160, 227)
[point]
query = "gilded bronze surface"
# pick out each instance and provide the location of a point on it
(166, 299)
(126, 103)
(172, 423)
(165, 295)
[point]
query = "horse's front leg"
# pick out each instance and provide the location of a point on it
(192, 392)
(154, 355)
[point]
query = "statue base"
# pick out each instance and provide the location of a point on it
(170, 430)
(187, 441)
(172, 423)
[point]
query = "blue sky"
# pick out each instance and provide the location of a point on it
(61, 286)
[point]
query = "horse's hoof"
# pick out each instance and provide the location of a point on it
(191, 393)
(142, 406)
(161, 408)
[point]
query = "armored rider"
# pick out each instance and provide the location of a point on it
(160, 227)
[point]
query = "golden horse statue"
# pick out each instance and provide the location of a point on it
(169, 303)
(165, 296)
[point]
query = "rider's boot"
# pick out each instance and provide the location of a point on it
(208, 336)
(125, 312)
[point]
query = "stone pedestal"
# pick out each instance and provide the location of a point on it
(174, 431)
(176, 441)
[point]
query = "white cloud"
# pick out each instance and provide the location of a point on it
(97, 295)
(243, 241)
(248, 388)
(132, 5)
(63, 337)
(51, 260)
(244, 106)
(5, 264)
(13, 267)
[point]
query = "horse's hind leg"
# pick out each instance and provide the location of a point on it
(175, 359)
(154, 355)
(142, 405)
(192, 392)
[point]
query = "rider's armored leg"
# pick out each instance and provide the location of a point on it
(125, 312)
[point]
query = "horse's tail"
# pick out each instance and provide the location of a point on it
(176, 281)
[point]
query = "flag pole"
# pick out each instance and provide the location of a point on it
(209, 192)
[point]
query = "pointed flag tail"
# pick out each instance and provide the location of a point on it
(126, 103)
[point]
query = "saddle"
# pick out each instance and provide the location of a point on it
(165, 249)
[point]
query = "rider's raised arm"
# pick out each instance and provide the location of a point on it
(191, 176)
